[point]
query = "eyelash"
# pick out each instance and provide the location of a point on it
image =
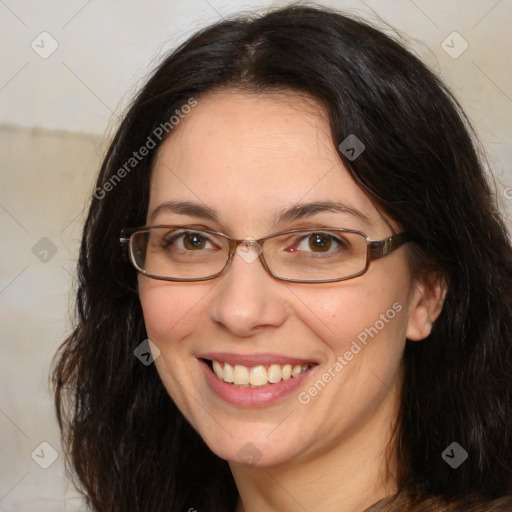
(167, 240)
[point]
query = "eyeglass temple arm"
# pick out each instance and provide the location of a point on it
(387, 246)
(124, 242)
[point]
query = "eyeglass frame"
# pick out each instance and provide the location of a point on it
(375, 249)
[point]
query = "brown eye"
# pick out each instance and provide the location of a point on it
(193, 241)
(319, 242)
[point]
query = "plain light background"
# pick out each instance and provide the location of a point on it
(56, 114)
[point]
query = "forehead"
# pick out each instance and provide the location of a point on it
(249, 156)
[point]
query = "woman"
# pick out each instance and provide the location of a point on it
(294, 213)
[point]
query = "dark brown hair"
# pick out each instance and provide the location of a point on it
(129, 446)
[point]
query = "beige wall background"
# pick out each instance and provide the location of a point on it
(67, 69)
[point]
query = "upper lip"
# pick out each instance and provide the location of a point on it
(250, 360)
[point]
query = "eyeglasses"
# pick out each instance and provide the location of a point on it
(318, 255)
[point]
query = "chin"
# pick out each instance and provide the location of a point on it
(257, 450)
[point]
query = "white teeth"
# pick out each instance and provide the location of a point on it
(274, 373)
(228, 374)
(297, 370)
(287, 372)
(217, 368)
(256, 376)
(241, 375)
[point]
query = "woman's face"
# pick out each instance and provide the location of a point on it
(248, 158)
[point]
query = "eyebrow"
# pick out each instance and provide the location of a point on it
(302, 211)
(295, 212)
(186, 208)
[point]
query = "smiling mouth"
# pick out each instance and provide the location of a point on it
(256, 376)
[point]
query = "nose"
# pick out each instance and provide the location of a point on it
(248, 299)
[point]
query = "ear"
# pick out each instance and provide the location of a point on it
(426, 302)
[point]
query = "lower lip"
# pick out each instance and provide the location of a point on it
(252, 397)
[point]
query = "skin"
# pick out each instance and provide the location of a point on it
(248, 156)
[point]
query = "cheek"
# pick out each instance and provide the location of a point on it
(355, 312)
(170, 310)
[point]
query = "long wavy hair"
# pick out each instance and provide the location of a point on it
(129, 448)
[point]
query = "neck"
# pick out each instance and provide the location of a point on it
(350, 477)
